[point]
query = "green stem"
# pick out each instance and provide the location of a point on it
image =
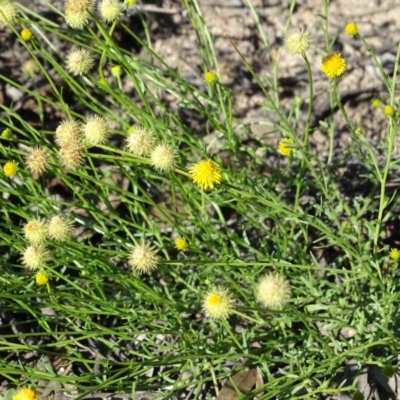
(306, 132)
(390, 145)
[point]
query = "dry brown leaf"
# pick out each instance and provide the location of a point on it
(244, 381)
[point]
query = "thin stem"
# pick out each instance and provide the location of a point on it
(306, 132)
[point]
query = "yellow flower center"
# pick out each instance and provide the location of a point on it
(214, 299)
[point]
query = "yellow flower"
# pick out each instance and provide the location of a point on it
(181, 244)
(375, 102)
(285, 147)
(333, 65)
(205, 174)
(42, 277)
(351, 28)
(26, 393)
(210, 77)
(273, 291)
(298, 42)
(116, 70)
(143, 258)
(26, 34)
(388, 110)
(10, 168)
(394, 254)
(218, 303)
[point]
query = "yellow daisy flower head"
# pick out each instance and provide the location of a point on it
(116, 70)
(26, 393)
(41, 277)
(35, 257)
(333, 65)
(210, 77)
(205, 174)
(286, 146)
(273, 291)
(143, 258)
(10, 168)
(388, 110)
(181, 244)
(298, 42)
(35, 231)
(8, 12)
(375, 102)
(218, 303)
(37, 160)
(163, 157)
(79, 61)
(26, 34)
(394, 254)
(351, 28)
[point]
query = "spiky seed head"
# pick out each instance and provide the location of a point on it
(72, 155)
(96, 130)
(38, 160)
(110, 10)
(35, 257)
(59, 228)
(140, 141)
(298, 42)
(41, 277)
(273, 291)
(77, 13)
(79, 61)
(69, 130)
(8, 12)
(143, 258)
(35, 231)
(30, 67)
(163, 157)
